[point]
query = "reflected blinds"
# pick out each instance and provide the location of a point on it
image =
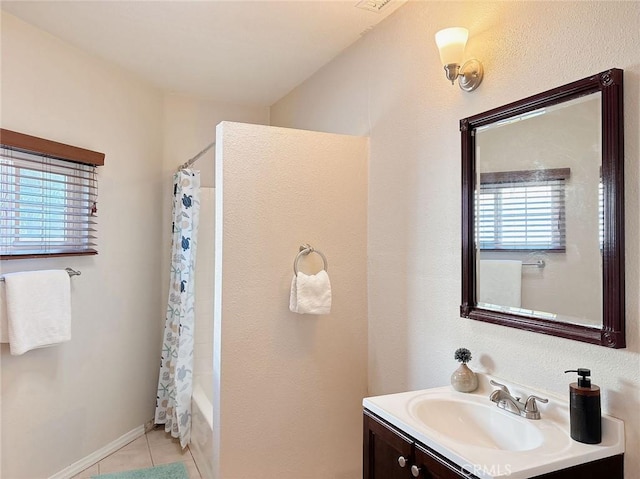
(601, 212)
(47, 205)
(522, 210)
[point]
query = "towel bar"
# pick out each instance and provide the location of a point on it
(539, 264)
(305, 249)
(70, 272)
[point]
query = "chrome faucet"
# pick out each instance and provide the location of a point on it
(504, 400)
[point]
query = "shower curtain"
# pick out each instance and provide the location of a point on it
(173, 402)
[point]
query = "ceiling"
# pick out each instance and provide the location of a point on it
(234, 51)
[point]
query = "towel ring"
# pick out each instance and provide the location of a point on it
(305, 249)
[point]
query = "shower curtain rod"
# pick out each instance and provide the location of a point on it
(195, 158)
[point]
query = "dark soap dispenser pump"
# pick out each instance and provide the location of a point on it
(584, 406)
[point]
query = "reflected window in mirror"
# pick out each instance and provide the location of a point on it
(522, 210)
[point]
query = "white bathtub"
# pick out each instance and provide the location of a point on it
(202, 431)
(201, 400)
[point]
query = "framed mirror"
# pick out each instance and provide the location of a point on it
(543, 212)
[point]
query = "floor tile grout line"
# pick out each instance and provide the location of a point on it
(195, 463)
(146, 437)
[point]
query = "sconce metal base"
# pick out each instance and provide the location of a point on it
(470, 75)
(452, 70)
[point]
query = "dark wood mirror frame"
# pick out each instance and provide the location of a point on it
(612, 333)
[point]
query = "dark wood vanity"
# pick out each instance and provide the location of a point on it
(389, 453)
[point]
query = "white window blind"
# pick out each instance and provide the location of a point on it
(48, 205)
(601, 213)
(522, 210)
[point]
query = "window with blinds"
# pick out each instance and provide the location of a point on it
(47, 204)
(522, 210)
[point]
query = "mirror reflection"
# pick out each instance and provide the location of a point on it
(539, 214)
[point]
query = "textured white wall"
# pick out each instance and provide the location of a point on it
(189, 125)
(391, 85)
(62, 403)
(289, 387)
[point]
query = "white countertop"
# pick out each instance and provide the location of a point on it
(558, 451)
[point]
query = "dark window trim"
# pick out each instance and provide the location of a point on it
(526, 175)
(41, 146)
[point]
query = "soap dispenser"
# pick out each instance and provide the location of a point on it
(584, 406)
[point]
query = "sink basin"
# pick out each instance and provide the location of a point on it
(482, 425)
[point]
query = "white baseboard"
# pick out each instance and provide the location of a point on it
(100, 454)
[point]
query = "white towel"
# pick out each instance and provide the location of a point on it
(38, 309)
(4, 326)
(500, 282)
(310, 294)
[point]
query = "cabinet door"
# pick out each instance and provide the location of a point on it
(385, 449)
(432, 466)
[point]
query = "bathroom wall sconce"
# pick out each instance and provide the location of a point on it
(451, 43)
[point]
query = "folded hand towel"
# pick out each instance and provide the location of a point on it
(500, 282)
(310, 294)
(38, 309)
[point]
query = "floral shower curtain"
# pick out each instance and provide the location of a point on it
(173, 403)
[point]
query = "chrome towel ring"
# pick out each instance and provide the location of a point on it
(305, 249)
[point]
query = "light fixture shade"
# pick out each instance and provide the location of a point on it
(451, 43)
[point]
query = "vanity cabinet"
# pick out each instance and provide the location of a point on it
(389, 453)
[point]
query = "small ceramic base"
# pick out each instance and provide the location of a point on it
(464, 379)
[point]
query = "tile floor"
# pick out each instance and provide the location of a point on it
(154, 448)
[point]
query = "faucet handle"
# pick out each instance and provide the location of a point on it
(531, 406)
(501, 386)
